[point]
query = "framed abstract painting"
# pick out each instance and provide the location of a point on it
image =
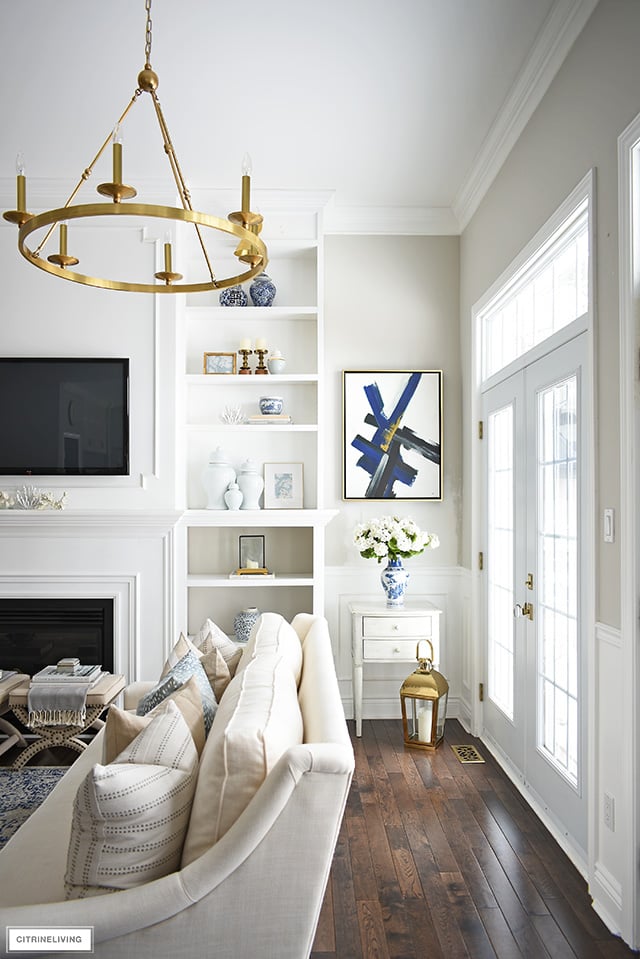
(392, 435)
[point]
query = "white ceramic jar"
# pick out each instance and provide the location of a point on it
(251, 483)
(216, 476)
(233, 496)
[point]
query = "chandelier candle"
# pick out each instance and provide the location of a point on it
(19, 215)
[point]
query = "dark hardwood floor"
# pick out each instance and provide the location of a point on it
(442, 860)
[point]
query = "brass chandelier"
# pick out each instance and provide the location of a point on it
(242, 225)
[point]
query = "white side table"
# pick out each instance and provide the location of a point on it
(387, 634)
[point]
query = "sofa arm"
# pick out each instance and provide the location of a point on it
(135, 691)
(288, 831)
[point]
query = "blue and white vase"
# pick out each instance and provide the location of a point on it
(394, 582)
(262, 291)
(233, 296)
(243, 623)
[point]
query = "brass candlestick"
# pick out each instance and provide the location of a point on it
(261, 368)
(245, 366)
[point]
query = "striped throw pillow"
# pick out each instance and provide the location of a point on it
(130, 817)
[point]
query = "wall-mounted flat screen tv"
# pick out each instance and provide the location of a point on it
(62, 417)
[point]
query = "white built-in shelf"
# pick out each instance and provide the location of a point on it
(218, 580)
(210, 313)
(252, 428)
(224, 380)
(258, 517)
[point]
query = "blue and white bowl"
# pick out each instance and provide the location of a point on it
(271, 404)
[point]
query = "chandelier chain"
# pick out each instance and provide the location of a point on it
(147, 39)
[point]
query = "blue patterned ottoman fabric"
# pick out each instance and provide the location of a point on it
(184, 669)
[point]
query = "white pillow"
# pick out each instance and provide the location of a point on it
(257, 720)
(130, 817)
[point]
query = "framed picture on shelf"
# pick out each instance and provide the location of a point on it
(392, 435)
(251, 552)
(283, 486)
(219, 363)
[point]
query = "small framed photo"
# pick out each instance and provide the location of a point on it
(220, 363)
(251, 553)
(283, 486)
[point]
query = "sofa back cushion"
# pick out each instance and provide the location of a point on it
(273, 634)
(257, 720)
(130, 817)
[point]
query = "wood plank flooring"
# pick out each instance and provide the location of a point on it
(442, 860)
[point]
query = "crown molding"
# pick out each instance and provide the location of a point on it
(391, 221)
(563, 25)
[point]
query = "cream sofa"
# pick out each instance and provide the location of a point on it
(257, 892)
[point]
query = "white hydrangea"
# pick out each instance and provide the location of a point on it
(392, 537)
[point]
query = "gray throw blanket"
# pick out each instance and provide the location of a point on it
(58, 704)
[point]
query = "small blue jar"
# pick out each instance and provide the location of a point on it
(233, 296)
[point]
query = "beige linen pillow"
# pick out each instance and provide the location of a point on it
(257, 720)
(217, 671)
(122, 726)
(130, 817)
(210, 636)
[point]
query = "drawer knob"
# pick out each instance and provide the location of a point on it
(395, 626)
(397, 649)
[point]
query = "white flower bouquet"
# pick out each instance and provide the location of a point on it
(392, 538)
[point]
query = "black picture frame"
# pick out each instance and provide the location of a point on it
(251, 549)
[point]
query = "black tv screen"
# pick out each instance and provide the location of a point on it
(64, 416)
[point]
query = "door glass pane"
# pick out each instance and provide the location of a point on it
(557, 619)
(500, 558)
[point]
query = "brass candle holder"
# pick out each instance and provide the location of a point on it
(261, 368)
(245, 368)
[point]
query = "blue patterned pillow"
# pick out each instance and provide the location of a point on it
(184, 669)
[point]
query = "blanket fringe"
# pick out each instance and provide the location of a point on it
(57, 717)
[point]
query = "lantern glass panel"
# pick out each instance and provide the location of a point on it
(442, 715)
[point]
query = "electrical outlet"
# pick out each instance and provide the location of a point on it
(609, 812)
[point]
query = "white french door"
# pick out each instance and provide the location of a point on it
(535, 641)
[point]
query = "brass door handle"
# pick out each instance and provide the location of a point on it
(525, 610)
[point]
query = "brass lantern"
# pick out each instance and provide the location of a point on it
(423, 698)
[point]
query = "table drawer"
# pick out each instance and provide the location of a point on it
(386, 650)
(401, 626)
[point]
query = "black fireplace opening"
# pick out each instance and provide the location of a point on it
(38, 632)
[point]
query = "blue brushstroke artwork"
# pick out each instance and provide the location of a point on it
(395, 454)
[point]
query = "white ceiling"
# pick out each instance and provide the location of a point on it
(405, 109)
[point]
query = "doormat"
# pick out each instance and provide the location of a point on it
(467, 754)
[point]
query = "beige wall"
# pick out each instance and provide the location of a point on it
(391, 303)
(593, 98)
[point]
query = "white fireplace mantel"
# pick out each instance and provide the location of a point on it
(124, 554)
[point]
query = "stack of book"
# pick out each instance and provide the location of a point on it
(269, 418)
(79, 674)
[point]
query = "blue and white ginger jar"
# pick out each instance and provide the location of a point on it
(262, 291)
(233, 296)
(394, 582)
(243, 623)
